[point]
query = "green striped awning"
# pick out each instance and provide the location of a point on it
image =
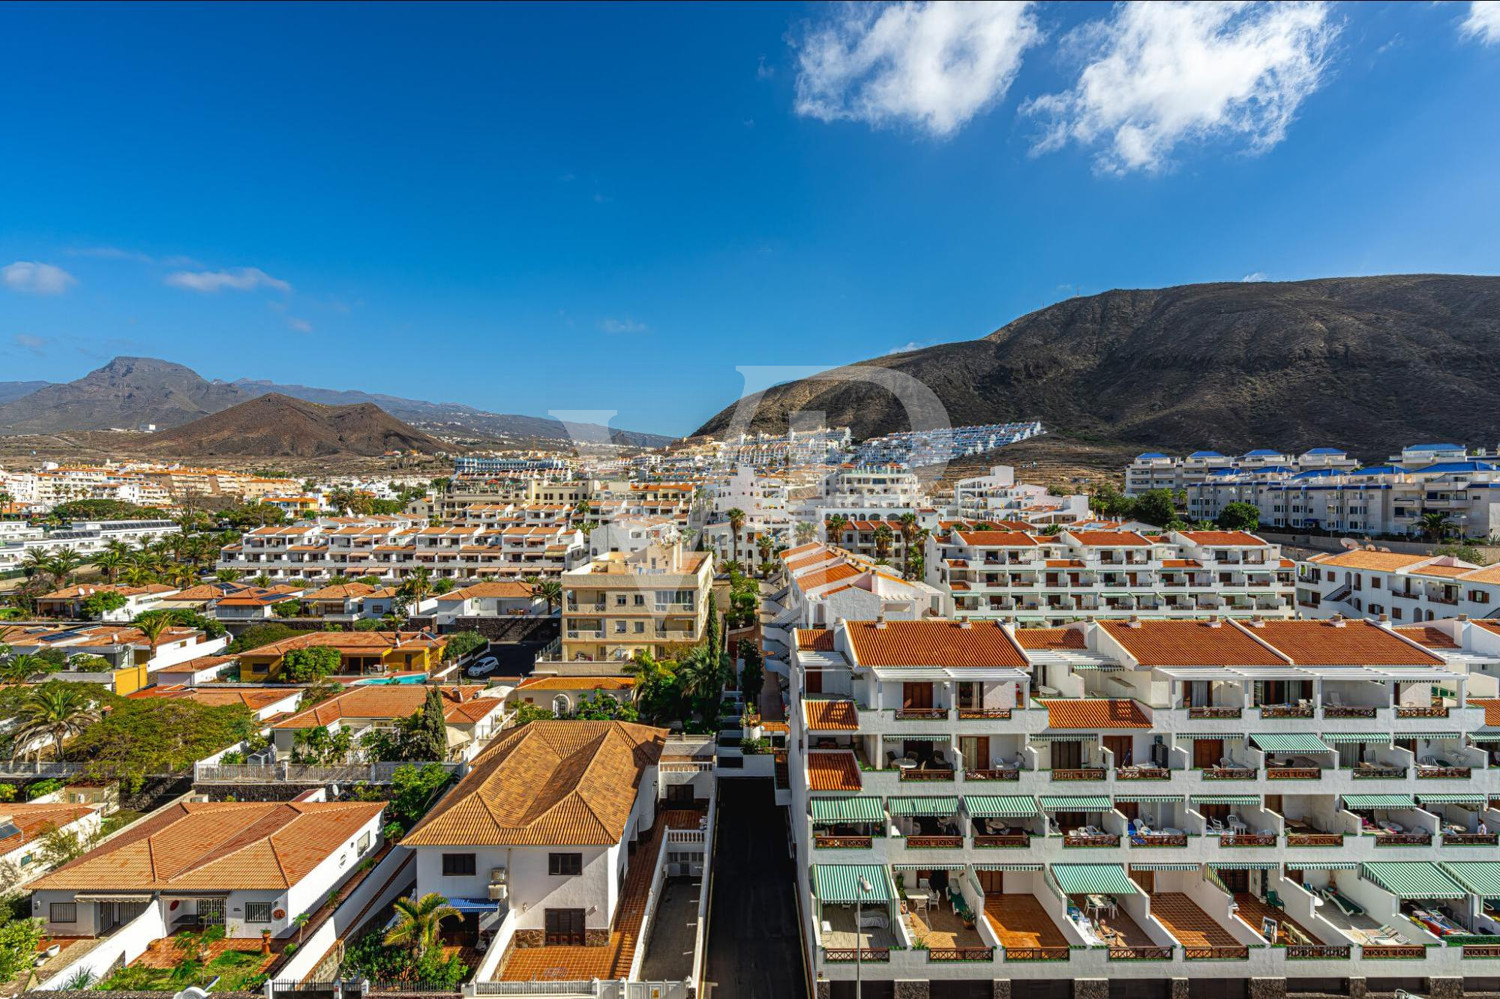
(1000, 806)
(1333, 738)
(1143, 798)
(1482, 877)
(1064, 736)
(847, 810)
(1226, 799)
(1226, 736)
(1432, 735)
(1411, 879)
(1452, 799)
(1323, 865)
(1101, 667)
(1379, 801)
(916, 737)
(1090, 879)
(1485, 736)
(1007, 867)
(1163, 867)
(1245, 865)
(928, 867)
(1289, 742)
(922, 806)
(839, 883)
(1075, 803)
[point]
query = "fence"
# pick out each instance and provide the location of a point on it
(296, 773)
(19, 768)
(613, 989)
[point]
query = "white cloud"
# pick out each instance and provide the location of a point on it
(237, 279)
(907, 347)
(1252, 277)
(626, 325)
(35, 278)
(933, 65)
(300, 325)
(27, 342)
(1483, 22)
(1161, 74)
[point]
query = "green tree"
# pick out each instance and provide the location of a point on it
(1239, 517)
(461, 643)
(310, 663)
(884, 537)
(1466, 553)
(752, 675)
(101, 602)
(157, 735)
(550, 590)
(55, 711)
(1434, 525)
(258, 635)
(1155, 507)
(413, 790)
(600, 706)
(433, 727)
(418, 922)
(58, 846)
(736, 518)
(321, 746)
(18, 945)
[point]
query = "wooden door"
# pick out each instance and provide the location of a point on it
(916, 695)
(991, 882)
(976, 750)
(1146, 879)
(563, 927)
(968, 695)
(1067, 755)
(1207, 752)
(1123, 747)
(812, 681)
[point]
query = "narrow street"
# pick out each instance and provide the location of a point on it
(754, 950)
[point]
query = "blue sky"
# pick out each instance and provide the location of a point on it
(614, 207)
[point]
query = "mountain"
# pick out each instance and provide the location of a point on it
(131, 391)
(275, 425)
(1368, 364)
(15, 390)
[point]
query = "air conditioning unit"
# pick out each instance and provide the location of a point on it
(499, 876)
(498, 893)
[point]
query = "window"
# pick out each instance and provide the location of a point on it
(364, 842)
(62, 912)
(458, 865)
(257, 912)
(565, 864)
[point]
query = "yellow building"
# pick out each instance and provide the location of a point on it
(364, 652)
(624, 602)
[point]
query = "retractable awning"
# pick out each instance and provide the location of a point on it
(1482, 877)
(840, 883)
(1063, 736)
(1379, 801)
(847, 810)
(1289, 742)
(922, 806)
(1075, 803)
(1164, 867)
(1007, 867)
(999, 806)
(1144, 798)
(1452, 799)
(1333, 738)
(111, 897)
(1412, 879)
(1323, 865)
(1245, 865)
(1094, 879)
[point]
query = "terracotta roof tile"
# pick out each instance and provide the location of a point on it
(933, 643)
(832, 574)
(1215, 539)
(1189, 643)
(1349, 643)
(1491, 707)
(1109, 539)
(815, 639)
(1051, 638)
(1379, 561)
(547, 783)
(1095, 713)
(577, 683)
(997, 539)
(832, 772)
(824, 716)
(1433, 638)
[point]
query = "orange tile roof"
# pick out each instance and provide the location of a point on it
(1095, 713)
(352, 641)
(1443, 570)
(832, 574)
(217, 846)
(1214, 539)
(342, 591)
(827, 715)
(815, 639)
(577, 683)
(1347, 643)
(1109, 539)
(1189, 643)
(32, 821)
(547, 783)
(997, 539)
(1051, 638)
(933, 643)
(1433, 638)
(253, 698)
(1181, 563)
(505, 590)
(390, 700)
(1491, 707)
(1378, 561)
(1489, 626)
(832, 772)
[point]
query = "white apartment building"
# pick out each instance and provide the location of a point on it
(1155, 470)
(979, 809)
(84, 537)
(1401, 587)
(998, 497)
(631, 534)
(1080, 574)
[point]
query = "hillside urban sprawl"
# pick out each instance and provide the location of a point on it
(1215, 725)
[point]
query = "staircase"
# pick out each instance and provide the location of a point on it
(783, 774)
(633, 896)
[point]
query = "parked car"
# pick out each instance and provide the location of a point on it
(483, 667)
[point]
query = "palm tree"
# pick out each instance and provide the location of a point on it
(154, 628)
(765, 546)
(56, 710)
(61, 566)
(1434, 525)
(34, 563)
(701, 678)
(835, 528)
(418, 922)
(551, 591)
(18, 667)
(109, 562)
(805, 532)
(884, 537)
(301, 923)
(418, 586)
(736, 518)
(907, 524)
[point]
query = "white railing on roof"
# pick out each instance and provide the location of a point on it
(276, 773)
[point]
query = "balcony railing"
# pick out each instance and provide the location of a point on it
(1159, 839)
(1247, 839)
(1117, 953)
(1002, 773)
(1403, 839)
(1228, 773)
(972, 714)
(1079, 773)
(921, 714)
(1294, 773)
(841, 954)
(1436, 711)
(1315, 839)
(1216, 953)
(1094, 840)
(1317, 952)
(1380, 772)
(1349, 711)
(1213, 711)
(1037, 953)
(1428, 773)
(934, 842)
(1471, 839)
(1286, 711)
(843, 842)
(1142, 773)
(926, 775)
(960, 953)
(1003, 840)
(1398, 952)
(1482, 950)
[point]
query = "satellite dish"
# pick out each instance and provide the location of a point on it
(1349, 544)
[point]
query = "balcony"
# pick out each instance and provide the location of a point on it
(974, 714)
(1403, 839)
(1286, 711)
(934, 842)
(1317, 952)
(1383, 771)
(1433, 711)
(843, 842)
(921, 714)
(1471, 839)
(1003, 841)
(1349, 711)
(1294, 773)
(914, 774)
(1247, 839)
(1214, 711)
(1078, 773)
(1229, 773)
(1138, 773)
(1314, 839)
(1008, 773)
(1158, 839)
(1085, 840)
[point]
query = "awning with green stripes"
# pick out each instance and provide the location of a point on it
(847, 810)
(1226, 799)
(1144, 798)
(928, 867)
(1411, 879)
(1226, 736)
(1101, 667)
(1452, 799)
(1007, 867)
(1485, 736)
(1163, 867)
(1432, 735)
(1075, 803)
(1333, 738)
(1379, 801)
(922, 806)
(1245, 865)
(1482, 877)
(839, 883)
(1323, 865)
(1289, 742)
(916, 737)
(1091, 879)
(1063, 736)
(1000, 806)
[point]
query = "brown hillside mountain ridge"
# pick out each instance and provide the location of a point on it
(1368, 364)
(275, 425)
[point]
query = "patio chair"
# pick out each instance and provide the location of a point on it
(1216, 827)
(873, 920)
(890, 759)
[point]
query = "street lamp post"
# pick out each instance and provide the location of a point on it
(859, 944)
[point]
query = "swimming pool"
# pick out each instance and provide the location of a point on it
(379, 681)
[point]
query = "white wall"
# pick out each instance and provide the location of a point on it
(532, 889)
(124, 946)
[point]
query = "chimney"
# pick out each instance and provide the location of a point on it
(1384, 619)
(1214, 622)
(1463, 617)
(966, 623)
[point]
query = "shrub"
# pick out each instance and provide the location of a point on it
(311, 663)
(7, 792)
(462, 643)
(42, 787)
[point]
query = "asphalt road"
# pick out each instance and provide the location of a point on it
(754, 949)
